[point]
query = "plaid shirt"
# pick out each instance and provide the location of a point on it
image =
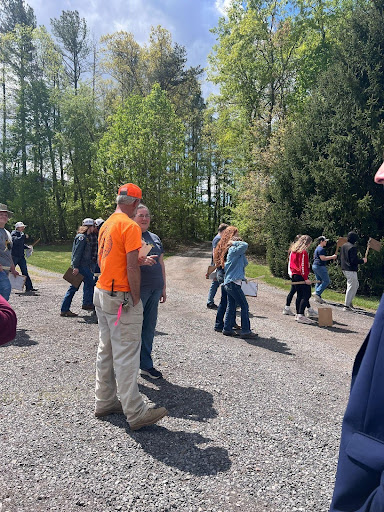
(93, 237)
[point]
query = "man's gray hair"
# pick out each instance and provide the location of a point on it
(124, 199)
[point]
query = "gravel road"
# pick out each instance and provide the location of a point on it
(253, 425)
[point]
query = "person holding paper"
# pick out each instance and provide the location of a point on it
(152, 288)
(6, 261)
(81, 264)
(18, 255)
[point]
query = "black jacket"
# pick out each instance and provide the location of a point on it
(348, 254)
(18, 240)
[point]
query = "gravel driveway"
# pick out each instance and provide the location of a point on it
(253, 425)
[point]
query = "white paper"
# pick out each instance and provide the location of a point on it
(17, 283)
(145, 249)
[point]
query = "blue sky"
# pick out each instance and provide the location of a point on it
(188, 21)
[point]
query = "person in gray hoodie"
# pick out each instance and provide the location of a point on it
(349, 264)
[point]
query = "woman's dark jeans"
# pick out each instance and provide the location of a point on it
(303, 294)
(235, 296)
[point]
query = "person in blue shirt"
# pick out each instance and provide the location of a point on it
(215, 284)
(152, 291)
(319, 268)
(81, 263)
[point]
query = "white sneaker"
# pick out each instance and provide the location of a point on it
(288, 311)
(311, 312)
(317, 298)
(301, 319)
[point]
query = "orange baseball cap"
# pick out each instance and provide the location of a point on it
(129, 189)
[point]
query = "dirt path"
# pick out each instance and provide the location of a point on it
(253, 425)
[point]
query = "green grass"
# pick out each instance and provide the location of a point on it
(56, 258)
(264, 274)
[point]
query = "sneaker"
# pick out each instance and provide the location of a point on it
(311, 312)
(301, 319)
(288, 311)
(152, 372)
(68, 313)
(212, 306)
(150, 417)
(88, 307)
(230, 333)
(317, 298)
(117, 409)
(349, 308)
(249, 335)
(32, 290)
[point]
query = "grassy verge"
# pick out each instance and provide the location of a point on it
(56, 258)
(263, 273)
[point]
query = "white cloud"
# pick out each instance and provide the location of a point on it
(222, 6)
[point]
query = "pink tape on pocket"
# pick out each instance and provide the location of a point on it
(119, 314)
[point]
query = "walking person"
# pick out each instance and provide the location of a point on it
(319, 267)
(152, 291)
(350, 261)
(299, 265)
(81, 264)
(18, 255)
(287, 308)
(120, 316)
(6, 261)
(215, 284)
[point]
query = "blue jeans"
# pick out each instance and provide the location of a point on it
(5, 285)
(23, 267)
(219, 323)
(236, 296)
(321, 274)
(88, 283)
(212, 292)
(150, 299)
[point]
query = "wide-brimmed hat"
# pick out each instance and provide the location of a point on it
(20, 225)
(4, 208)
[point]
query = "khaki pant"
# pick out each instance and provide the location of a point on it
(352, 286)
(118, 354)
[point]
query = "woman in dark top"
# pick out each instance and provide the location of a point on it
(152, 290)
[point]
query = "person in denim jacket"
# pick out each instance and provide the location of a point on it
(81, 264)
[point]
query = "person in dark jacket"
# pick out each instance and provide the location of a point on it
(81, 264)
(18, 255)
(349, 264)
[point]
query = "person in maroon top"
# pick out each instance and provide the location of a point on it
(299, 266)
(8, 322)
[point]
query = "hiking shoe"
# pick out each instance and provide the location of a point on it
(117, 409)
(212, 306)
(301, 319)
(152, 372)
(311, 312)
(249, 335)
(88, 307)
(317, 298)
(68, 313)
(230, 333)
(150, 417)
(288, 311)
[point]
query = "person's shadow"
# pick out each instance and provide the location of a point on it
(272, 344)
(177, 448)
(22, 340)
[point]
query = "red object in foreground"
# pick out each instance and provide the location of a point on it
(8, 322)
(379, 177)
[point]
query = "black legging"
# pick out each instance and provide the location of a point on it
(290, 295)
(303, 294)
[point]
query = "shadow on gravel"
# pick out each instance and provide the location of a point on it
(178, 449)
(22, 340)
(339, 330)
(181, 402)
(272, 344)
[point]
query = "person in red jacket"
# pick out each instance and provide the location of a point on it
(299, 266)
(8, 322)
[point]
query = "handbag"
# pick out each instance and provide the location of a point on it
(249, 288)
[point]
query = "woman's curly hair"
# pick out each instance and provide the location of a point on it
(224, 244)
